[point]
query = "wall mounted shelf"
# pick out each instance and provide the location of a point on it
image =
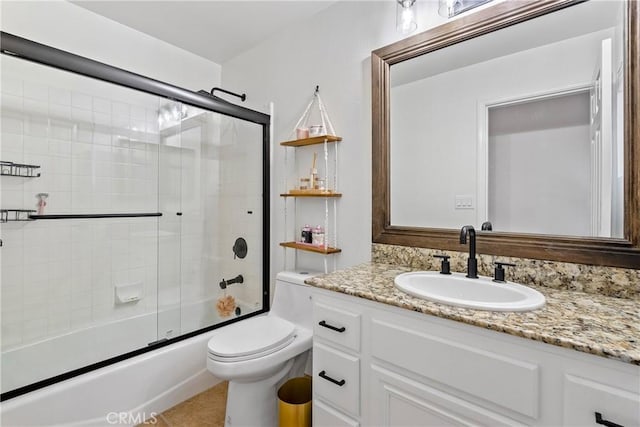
(297, 193)
(311, 248)
(311, 141)
(330, 238)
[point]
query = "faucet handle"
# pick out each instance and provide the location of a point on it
(498, 272)
(445, 266)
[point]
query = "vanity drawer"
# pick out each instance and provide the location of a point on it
(505, 381)
(336, 378)
(584, 397)
(336, 325)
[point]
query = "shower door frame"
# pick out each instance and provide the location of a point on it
(29, 50)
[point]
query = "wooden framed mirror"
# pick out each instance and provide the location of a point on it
(412, 157)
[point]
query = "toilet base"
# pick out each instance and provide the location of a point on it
(253, 404)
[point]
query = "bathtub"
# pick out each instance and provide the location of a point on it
(121, 394)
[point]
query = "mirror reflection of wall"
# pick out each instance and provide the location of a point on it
(457, 156)
(541, 152)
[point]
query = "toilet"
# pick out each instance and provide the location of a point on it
(258, 354)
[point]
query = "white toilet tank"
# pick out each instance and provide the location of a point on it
(292, 298)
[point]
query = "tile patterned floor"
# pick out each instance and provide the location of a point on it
(206, 409)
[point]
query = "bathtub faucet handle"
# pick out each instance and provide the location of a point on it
(237, 279)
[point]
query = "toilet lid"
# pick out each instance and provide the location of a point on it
(251, 336)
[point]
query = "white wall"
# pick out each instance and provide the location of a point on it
(69, 27)
(332, 49)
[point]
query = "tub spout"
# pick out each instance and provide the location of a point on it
(237, 279)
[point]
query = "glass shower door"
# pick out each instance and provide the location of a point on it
(170, 169)
(211, 232)
(79, 264)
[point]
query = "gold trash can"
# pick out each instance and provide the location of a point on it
(294, 403)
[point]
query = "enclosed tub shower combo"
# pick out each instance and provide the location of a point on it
(134, 221)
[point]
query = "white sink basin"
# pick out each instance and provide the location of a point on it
(480, 294)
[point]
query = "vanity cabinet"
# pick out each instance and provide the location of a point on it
(416, 369)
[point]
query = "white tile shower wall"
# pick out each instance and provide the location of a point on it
(96, 156)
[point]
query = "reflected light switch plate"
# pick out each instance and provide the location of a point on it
(464, 202)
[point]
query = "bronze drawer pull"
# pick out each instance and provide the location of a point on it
(333, 328)
(324, 375)
(600, 420)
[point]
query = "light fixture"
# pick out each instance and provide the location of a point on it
(168, 114)
(450, 8)
(406, 16)
(446, 8)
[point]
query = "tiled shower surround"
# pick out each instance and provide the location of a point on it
(107, 149)
(609, 281)
(59, 275)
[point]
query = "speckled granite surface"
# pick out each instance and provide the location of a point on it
(591, 323)
(593, 279)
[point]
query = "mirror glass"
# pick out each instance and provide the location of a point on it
(522, 127)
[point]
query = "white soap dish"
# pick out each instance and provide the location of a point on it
(128, 292)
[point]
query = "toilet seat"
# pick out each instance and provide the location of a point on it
(251, 338)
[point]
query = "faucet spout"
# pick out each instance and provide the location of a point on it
(237, 279)
(472, 262)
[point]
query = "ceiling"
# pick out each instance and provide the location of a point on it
(217, 29)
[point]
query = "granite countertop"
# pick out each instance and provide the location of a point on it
(591, 323)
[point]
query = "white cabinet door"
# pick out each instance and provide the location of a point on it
(501, 379)
(584, 397)
(397, 401)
